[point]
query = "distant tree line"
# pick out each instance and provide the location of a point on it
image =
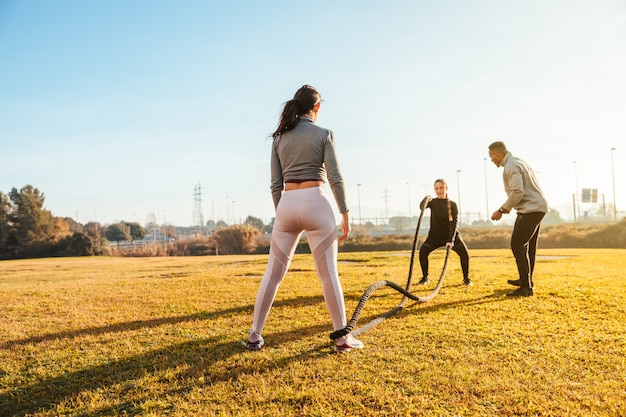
(28, 230)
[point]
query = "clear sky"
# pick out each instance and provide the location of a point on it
(118, 110)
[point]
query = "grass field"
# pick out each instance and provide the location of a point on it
(164, 336)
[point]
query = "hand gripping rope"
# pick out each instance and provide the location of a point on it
(384, 283)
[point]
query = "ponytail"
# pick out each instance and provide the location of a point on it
(305, 99)
(288, 119)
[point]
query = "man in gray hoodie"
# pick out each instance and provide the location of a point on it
(525, 196)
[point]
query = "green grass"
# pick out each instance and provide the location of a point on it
(164, 336)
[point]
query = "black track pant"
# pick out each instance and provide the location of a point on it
(524, 245)
(431, 244)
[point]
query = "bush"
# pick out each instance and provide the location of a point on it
(487, 237)
(378, 243)
(77, 244)
(197, 246)
(235, 240)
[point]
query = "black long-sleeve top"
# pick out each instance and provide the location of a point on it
(442, 228)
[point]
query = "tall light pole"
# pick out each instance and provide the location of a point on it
(232, 212)
(358, 189)
(613, 177)
(226, 209)
(486, 192)
(576, 198)
(408, 186)
(458, 190)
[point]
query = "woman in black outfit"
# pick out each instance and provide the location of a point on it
(444, 216)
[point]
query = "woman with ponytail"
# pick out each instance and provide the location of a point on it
(444, 216)
(303, 159)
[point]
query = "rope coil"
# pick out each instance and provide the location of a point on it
(350, 328)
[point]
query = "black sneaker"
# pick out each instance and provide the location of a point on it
(515, 282)
(522, 292)
(467, 282)
(424, 281)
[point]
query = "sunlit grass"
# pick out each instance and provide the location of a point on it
(156, 336)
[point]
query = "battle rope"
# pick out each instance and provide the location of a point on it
(385, 283)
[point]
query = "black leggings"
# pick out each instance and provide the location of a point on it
(459, 247)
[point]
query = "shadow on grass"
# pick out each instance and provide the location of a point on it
(109, 328)
(140, 324)
(398, 312)
(197, 355)
(198, 359)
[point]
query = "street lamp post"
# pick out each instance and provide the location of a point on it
(486, 192)
(358, 189)
(408, 186)
(613, 178)
(226, 209)
(576, 196)
(458, 190)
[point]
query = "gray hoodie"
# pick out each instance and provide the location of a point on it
(521, 186)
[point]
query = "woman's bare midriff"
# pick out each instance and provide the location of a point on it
(300, 185)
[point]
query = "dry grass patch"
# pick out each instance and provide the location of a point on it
(157, 336)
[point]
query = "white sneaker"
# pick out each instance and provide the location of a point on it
(255, 341)
(346, 343)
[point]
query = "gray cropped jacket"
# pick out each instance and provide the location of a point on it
(306, 152)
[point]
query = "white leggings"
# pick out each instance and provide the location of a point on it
(300, 210)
